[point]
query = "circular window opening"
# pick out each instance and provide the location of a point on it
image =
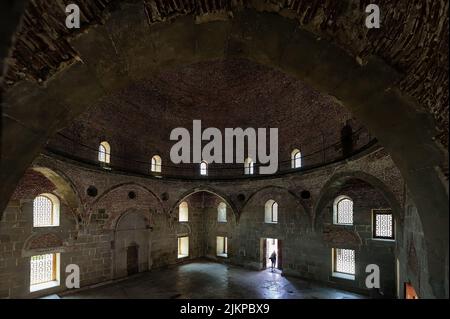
(92, 191)
(305, 195)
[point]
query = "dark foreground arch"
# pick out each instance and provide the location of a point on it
(127, 48)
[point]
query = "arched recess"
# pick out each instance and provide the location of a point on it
(132, 243)
(332, 186)
(115, 187)
(212, 191)
(65, 189)
(302, 213)
(366, 192)
(369, 91)
(145, 200)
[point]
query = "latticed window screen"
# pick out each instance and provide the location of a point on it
(344, 211)
(383, 224)
(43, 269)
(42, 211)
(344, 261)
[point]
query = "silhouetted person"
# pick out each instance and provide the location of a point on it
(273, 259)
(347, 139)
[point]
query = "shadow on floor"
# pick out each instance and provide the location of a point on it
(209, 280)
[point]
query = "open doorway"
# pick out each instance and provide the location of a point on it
(410, 292)
(268, 247)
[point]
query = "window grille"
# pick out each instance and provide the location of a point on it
(344, 211)
(383, 224)
(43, 211)
(344, 261)
(43, 269)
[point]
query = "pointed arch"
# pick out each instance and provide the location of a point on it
(212, 191)
(331, 188)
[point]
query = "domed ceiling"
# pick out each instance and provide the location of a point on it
(227, 93)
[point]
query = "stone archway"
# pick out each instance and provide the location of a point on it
(332, 186)
(127, 48)
(214, 192)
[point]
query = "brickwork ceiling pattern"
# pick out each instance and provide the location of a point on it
(414, 39)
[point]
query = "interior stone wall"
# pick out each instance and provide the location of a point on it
(292, 225)
(389, 114)
(87, 249)
(359, 236)
(131, 231)
(411, 247)
(90, 234)
(214, 228)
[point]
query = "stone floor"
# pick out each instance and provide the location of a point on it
(204, 280)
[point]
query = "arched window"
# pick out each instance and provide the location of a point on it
(222, 212)
(183, 212)
(296, 159)
(104, 152)
(271, 212)
(156, 164)
(248, 166)
(343, 210)
(203, 168)
(46, 211)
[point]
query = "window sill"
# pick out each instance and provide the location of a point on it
(389, 240)
(343, 276)
(182, 256)
(45, 285)
(45, 226)
(222, 221)
(274, 223)
(222, 255)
